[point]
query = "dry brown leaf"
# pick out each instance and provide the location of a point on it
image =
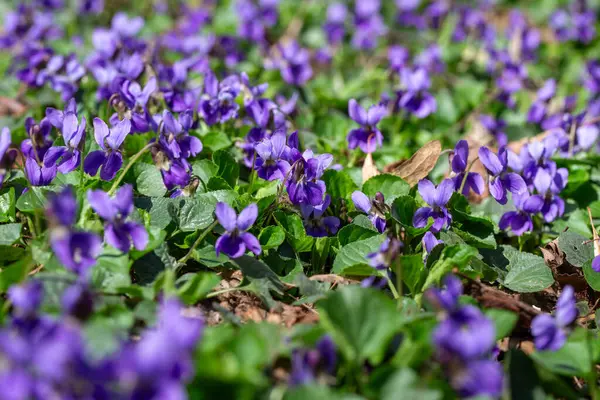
(369, 168)
(12, 107)
(419, 165)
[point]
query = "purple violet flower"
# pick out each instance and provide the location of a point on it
(270, 152)
(306, 364)
(118, 232)
(550, 333)
(38, 139)
(68, 156)
(175, 137)
(37, 173)
(501, 181)
(315, 223)
(460, 160)
(381, 261)
(414, 97)
(7, 157)
(436, 198)
(520, 220)
(375, 209)
(294, 64)
(77, 251)
(218, 104)
(109, 159)
(596, 263)
(367, 137)
(305, 184)
(236, 240)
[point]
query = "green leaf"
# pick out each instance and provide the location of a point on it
(196, 213)
(7, 205)
(406, 384)
(271, 237)
(391, 186)
(31, 200)
(262, 280)
(355, 253)
(294, 231)
(228, 168)
(573, 358)
(9, 234)
(455, 256)
(352, 233)
(162, 210)
(207, 256)
(216, 140)
(403, 209)
(111, 270)
(527, 273)
(413, 271)
(339, 184)
(592, 277)
(14, 273)
(148, 180)
(204, 169)
(523, 377)
(194, 287)
(504, 321)
(361, 321)
(577, 248)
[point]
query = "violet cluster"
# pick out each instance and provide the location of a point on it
(464, 340)
(45, 357)
(309, 365)
(550, 332)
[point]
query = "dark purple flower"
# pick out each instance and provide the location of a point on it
(550, 333)
(460, 160)
(315, 223)
(436, 198)
(495, 127)
(375, 209)
(367, 137)
(596, 263)
(307, 363)
(431, 59)
(294, 64)
(175, 137)
(62, 207)
(91, 6)
(38, 174)
(446, 298)
(429, 242)
(510, 81)
(38, 138)
(381, 261)
(478, 378)
(270, 153)
(67, 157)
(255, 17)
(466, 333)
(539, 109)
(304, 184)
(414, 96)
(548, 183)
(334, 25)
(520, 220)
(369, 25)
(78, 301)
(218, 104)
(398, 57)
(7, 157)
(118, 232)
(236, 240)
(77, 251)
(26, 298)
(109, 159)
(500, 180)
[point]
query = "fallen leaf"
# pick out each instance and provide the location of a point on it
(369, 168)
(419, 165)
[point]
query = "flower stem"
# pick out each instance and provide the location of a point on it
(184, 259)
(133, 159)
(464, 181)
